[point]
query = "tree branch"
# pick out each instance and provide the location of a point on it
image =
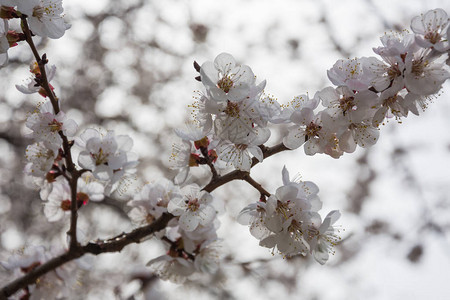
(114, 244)
(238, 174)
(256, 185)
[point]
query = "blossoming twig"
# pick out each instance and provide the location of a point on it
(66, 145)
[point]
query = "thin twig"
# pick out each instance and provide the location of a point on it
(256, 185)
(238, 174)
(66, 145)
(205, 154)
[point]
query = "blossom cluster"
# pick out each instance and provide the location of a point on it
(289, 221)
(191, 237)
(231, 117)
(370, 90)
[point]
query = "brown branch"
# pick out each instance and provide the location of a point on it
(237, 174)
(114, 244)
(43, 82)
(256, 185)
(204, 151)
(41, 63)
(74, 214)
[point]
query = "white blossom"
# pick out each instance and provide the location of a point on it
(207, 260)
(56, 284)
(193, 209)
(321, 236)
(352, 73)
(46, 125)
(31, 87)
(59, 199)
(431, 29)
(225, 80)
(425, 74)
(344, 103)
(44, 17)
(175, 269)
(41, 156)
(106, 154)
(151, 202)
(238, 154)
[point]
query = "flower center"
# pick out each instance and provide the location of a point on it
(225, 84)
(100, 157)
(346, 104)
(38, 12)
(65, 205)
(394, 72)
(55, 126)
(193, 204)
(283, 209)
(312, 130)
(312, 233)
(418, 67)
(232, 109)
(296, 230)
(241, 147)
(390, 101)
(433, 37)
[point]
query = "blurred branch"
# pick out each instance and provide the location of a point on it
(114, 244)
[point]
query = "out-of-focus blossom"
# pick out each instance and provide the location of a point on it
(41, 156)
(31, 86)
(152, 201)
(431, 29)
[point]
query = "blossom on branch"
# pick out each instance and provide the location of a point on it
(44, 17)
(58, 201)
(225, 80)
(193, 209)
(33, 85)
(56, 284)
(431, 29)
(47, 125)
(287, 221)
(152, 201)
(41, 156)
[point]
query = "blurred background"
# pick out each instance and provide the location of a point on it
(127, 66)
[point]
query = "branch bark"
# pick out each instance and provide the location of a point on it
(238, 174)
